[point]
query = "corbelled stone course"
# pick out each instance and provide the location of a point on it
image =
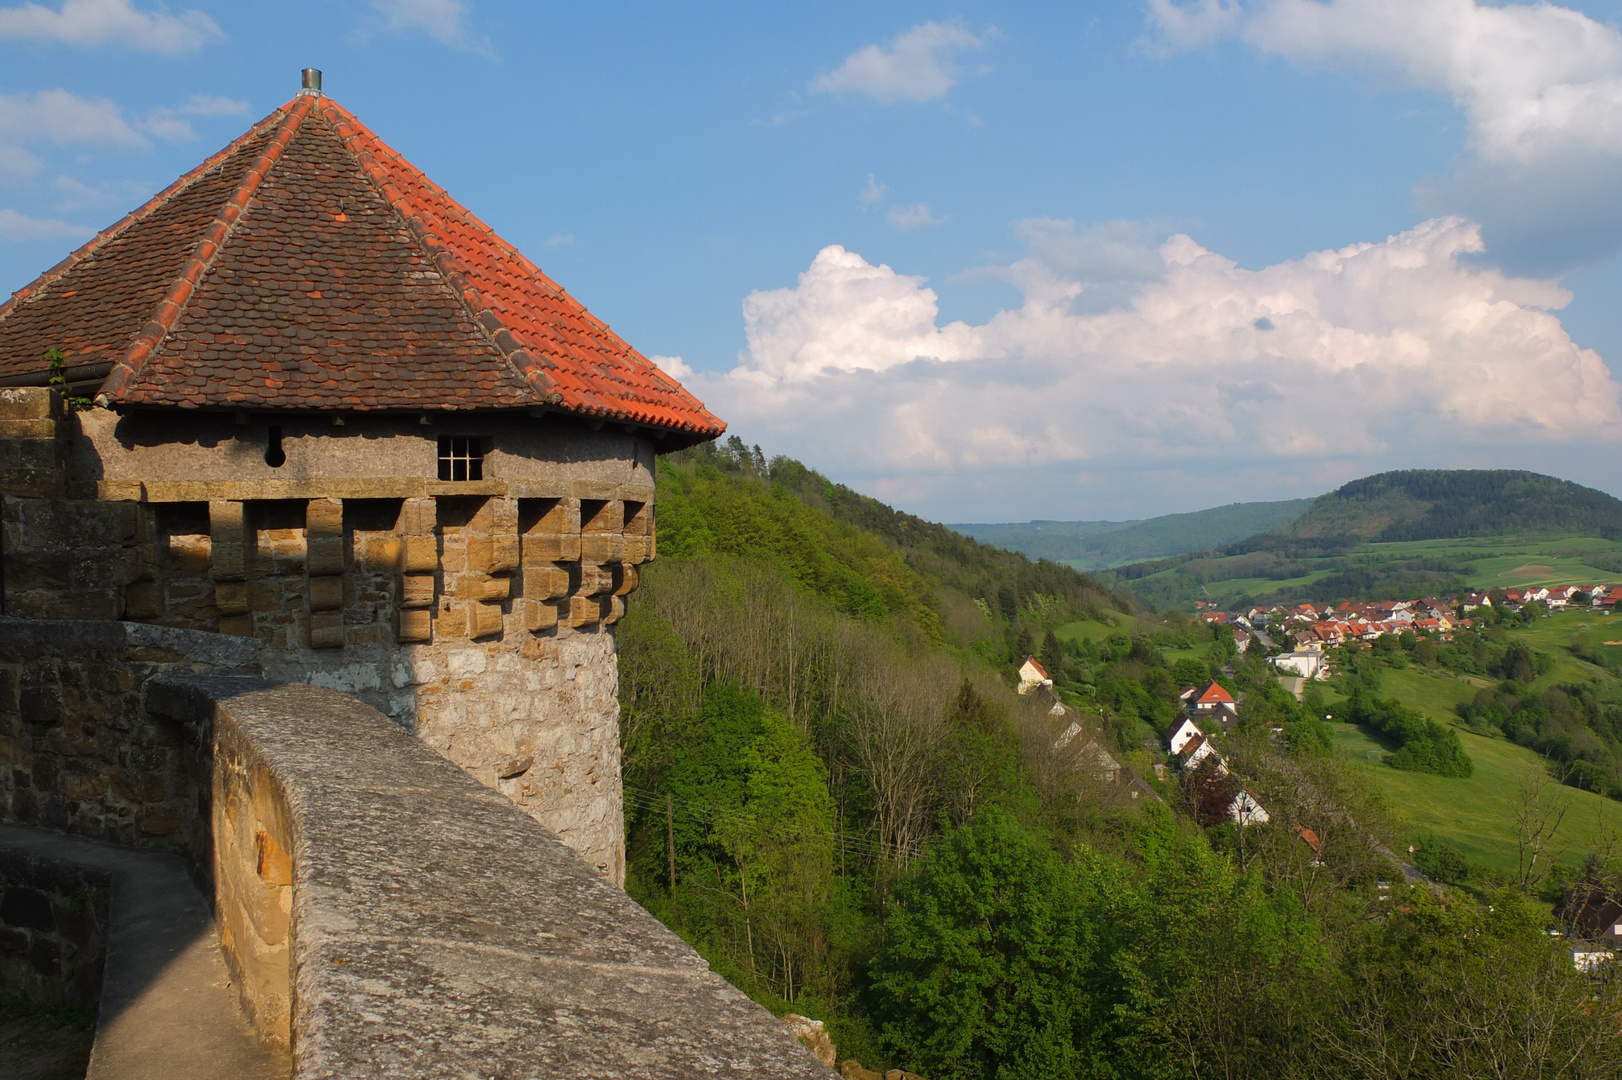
(437, 930)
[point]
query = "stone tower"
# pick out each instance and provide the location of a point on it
(304, 395)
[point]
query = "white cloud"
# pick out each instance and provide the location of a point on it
(560, 240)
(63, 119)
(443, 20)
(920, 65)
(1532, 79)
(903, 218)
(1540, 87)
(174, 124)
(103, 22)
(20, 227)
(1400, 350)
(873, 193)
(674, 366)
(77, 195)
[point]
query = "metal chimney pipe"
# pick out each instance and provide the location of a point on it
(312, 81)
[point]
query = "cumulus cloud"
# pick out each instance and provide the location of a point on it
(1532, 79)
(19, 227)
(1540, 87)
(1329, 363)
(903, 218)
(674, 366)
(919, 65)
(57, 118)
(117, 22)
(446, 21)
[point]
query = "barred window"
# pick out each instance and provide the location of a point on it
(460, 459)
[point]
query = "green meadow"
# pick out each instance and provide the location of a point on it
(1478, 814)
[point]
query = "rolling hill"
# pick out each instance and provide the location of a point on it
(1400, 534)
(1099, 545)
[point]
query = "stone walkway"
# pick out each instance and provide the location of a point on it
(168, 1009)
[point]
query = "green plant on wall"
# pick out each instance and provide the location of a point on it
(56, 362)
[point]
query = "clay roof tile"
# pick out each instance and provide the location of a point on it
(310, 252)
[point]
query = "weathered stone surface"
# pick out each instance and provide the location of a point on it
(167, 1010)
(438, 931)
(79, 753)
(814, 1036)
(53, 929)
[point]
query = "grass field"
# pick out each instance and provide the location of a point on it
(1477, 814)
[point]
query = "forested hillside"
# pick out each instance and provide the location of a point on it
(1445, 504)
(1098, 545)
(1397, 534)
(833, 792)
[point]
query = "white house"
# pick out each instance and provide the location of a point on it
(1308, 665)
(1179, 734)
(1032, 675)
(1196, 750)
(1587, 956)
(1245, 810)
(1090, 753)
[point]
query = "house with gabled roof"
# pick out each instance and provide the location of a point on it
(305, 396)
(1195, 751)
(1181, 731)
(1033, 676)
(1246, 809)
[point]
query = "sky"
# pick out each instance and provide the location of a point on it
(987, 262)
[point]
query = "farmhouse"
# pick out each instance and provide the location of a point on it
(1033, 676)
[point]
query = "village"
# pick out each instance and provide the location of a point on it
(1300, 635)
(1298, 642)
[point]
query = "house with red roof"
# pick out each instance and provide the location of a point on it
(307, 397)
(1033, 676)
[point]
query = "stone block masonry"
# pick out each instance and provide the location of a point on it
(385, 915)
(478, 615)
(79, 753)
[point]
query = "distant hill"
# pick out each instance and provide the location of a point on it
(1099, 545)
(1381, 537)
(1450, 504)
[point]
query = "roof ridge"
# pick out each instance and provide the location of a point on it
(38, 285)
(525, 364)
(202, 257)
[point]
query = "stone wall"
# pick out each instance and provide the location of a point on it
(79, 752)
(475, 614)
(53, 929)
(388, 916)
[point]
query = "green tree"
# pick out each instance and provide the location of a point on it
(989, 958)
(1189, 672)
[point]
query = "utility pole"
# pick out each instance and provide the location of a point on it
(670, 840)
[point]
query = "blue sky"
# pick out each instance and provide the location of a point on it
(986, 261)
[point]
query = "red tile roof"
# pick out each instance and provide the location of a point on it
(1214, 692)
(308, 266)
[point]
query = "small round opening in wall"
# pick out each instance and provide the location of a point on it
(274, 455)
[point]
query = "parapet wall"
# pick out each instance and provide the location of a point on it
(78, 751)
(390, 916)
